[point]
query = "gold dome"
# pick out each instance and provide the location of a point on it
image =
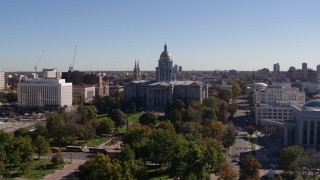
(165, 53)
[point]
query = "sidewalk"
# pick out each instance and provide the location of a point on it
(66, 172)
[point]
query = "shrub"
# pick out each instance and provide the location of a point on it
(57, 159)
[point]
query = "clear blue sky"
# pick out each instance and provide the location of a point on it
(201, 35)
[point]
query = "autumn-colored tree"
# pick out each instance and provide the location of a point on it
(213, 129)
(227, 172)
(249, 169)
(235, 89)
(229, 136)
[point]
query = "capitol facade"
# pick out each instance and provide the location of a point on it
(165, 89)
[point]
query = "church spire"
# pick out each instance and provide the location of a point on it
(165, 47)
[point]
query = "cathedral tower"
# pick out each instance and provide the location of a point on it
(136, 71)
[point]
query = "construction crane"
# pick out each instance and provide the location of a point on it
(36, 66)
(74, 57)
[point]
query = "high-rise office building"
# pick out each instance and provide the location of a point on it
(276, 69)
(304, 66)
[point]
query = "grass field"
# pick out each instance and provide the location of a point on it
(96, 141)
(158, 174)
(134, 118)
(38, 169)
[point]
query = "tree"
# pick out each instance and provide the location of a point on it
(87, 113)
(195, 157)
(225, 94)
(250, 130)
(175, 117)
(288, 157)
(229, 136)
(101, 167)
(19, 150)
(179, 105)
(235, 89)
(249, 169)
(106, 126)
(56, 126)
(208, 113)
(137, 139)
(57, 159)
(119, 118)
(227, 172)
(166, 125)
(213, 129)
(23, 132)
(309, 164)
(232, 108)
(5, 139)
(148, 118)
(11, 97)
(39, 130)
(41, 146)
(161, 143)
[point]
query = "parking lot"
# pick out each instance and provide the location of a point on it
(10, 125)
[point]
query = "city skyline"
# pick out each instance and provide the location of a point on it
(111, 35)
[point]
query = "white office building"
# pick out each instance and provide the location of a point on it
(274, 102)
(44, 93)
(279, 94)
(2, 81)
(302, 129)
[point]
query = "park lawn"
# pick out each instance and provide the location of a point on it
(103, 115)
(96, 141)
(134, 118)
(36, 170)
(158, 174)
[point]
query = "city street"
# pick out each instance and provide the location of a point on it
(266, 150)
(75, 159)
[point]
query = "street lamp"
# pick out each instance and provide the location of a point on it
(71, 157)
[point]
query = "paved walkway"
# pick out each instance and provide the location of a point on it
(66, 172)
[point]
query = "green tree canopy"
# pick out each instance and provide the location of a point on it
(208, 113)
(179, 105)
(106, 126)
(119, 118)
(148, 118)
(41, 146)
(23, 132)
(101, 167)
(288, 157)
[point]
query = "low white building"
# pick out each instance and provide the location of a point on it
(83, 93)
(44, 93)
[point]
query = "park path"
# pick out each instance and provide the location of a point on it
(66, 172)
